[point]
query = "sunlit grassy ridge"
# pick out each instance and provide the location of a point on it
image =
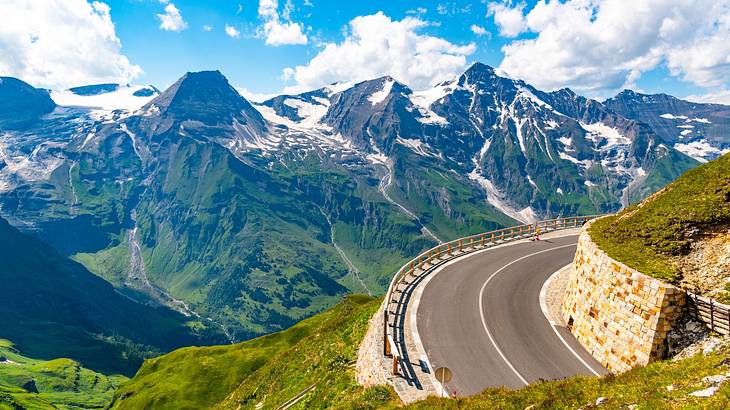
(60, 383)
(645, 235)
(645, 387)
(268, 370)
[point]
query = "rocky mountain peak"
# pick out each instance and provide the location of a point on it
(478, 69)
(20, 102)
(207, 97)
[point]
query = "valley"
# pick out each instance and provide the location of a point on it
(245, 217)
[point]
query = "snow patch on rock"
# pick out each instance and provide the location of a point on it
(498, 200)
(380, 96)
(700, 150)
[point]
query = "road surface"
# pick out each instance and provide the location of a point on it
(481, 317)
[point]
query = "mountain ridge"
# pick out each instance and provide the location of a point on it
(254, 216)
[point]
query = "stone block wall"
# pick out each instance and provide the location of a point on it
(618, 314)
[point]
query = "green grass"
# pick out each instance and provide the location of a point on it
(647, 235)
(270, 369)
(644, 386)
(60, 383)
(266, 372)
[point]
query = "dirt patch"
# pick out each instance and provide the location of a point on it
(706, 268)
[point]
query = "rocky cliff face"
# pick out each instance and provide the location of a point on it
(20, 103)
(698, 130)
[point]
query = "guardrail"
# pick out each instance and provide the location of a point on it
(430, 259)
(713, 314)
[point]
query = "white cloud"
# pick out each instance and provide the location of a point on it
(254, 96)
(478, 30)
(172, 20)
(207, 27)
(599, 46)
(717, 97)
(277, 32)
(418, 11)
(375, 46)
(61, 43)
(510, 20)
(232, 32)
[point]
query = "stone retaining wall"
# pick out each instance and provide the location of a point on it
(618, 314)
(370, 367)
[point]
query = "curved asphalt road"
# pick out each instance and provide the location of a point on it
(481, 317)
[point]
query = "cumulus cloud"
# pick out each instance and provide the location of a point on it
(478, 30)
(278, 30)
(375, 46)
(510, 20)
(171, 19)
(62, 43)
(717, 97)
(253, 96)
(232, 32)
(600, 46)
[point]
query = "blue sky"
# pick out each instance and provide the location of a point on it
(247, 61)
(596, 48)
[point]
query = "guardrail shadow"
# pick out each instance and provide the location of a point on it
(395, 346)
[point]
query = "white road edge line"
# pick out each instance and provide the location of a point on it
(418, 292)
(553, 325)
(481, 305)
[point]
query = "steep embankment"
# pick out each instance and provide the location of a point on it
(681, 234)
(264, 372)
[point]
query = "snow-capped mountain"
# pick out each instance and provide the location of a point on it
(255, 214)
(534, 154)
(698, 130)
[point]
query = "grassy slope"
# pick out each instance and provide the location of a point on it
(646, 235)
(53, 307)
(645, 386)
(268, 371)
(271, 369)
(62, 383)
